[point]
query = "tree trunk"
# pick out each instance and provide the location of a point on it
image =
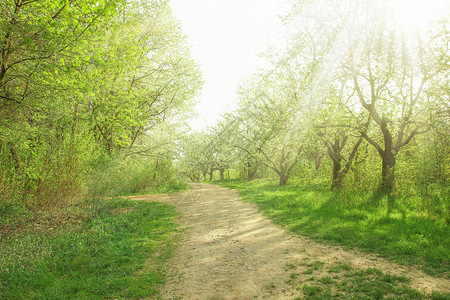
(251, 171)
(337, 178)
(283, 179)
(156, 170)
(222, 172)
(211, 175)
(388, 172)
(334, 152)
(317, 161)
(283, 170)
(283, 173)
(388, 158)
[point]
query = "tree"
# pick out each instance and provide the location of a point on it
(154, 79)
(390, 68)
(221, 146)
(391, 84)
(40, 132)
(81, 80)
(337, 128)
(268, 122)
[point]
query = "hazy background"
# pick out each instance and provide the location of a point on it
(226, 37)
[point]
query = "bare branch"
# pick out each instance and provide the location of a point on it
(373, 143)
(58, 12)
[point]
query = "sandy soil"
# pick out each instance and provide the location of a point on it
(230, 251)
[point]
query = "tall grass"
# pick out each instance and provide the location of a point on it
(363, 220)
(118, 177)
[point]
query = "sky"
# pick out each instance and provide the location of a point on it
(226, 36)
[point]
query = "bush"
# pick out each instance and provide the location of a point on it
(118, 177)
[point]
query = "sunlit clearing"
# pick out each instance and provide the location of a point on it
(419, 12)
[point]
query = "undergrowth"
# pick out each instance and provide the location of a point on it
(117, 177)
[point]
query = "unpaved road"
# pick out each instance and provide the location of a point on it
(230, 251)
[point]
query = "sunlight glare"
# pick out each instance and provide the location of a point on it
(419, 13)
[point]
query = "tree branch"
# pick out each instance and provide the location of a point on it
(373, 143)
(274, 166)
(413, 133)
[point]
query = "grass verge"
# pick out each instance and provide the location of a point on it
(316, 280)
(120, 252)
(178, 187)
(353, 221)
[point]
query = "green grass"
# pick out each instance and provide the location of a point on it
(118, 253)
(354, 221)
(176, 187)
(362, 284)
(343, 281)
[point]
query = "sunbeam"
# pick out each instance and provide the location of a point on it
(419, 13)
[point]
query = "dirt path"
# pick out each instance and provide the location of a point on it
(230, 251)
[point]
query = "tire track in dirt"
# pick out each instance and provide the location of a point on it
(230, 251)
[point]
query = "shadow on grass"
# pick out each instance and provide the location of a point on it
(365, 221)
